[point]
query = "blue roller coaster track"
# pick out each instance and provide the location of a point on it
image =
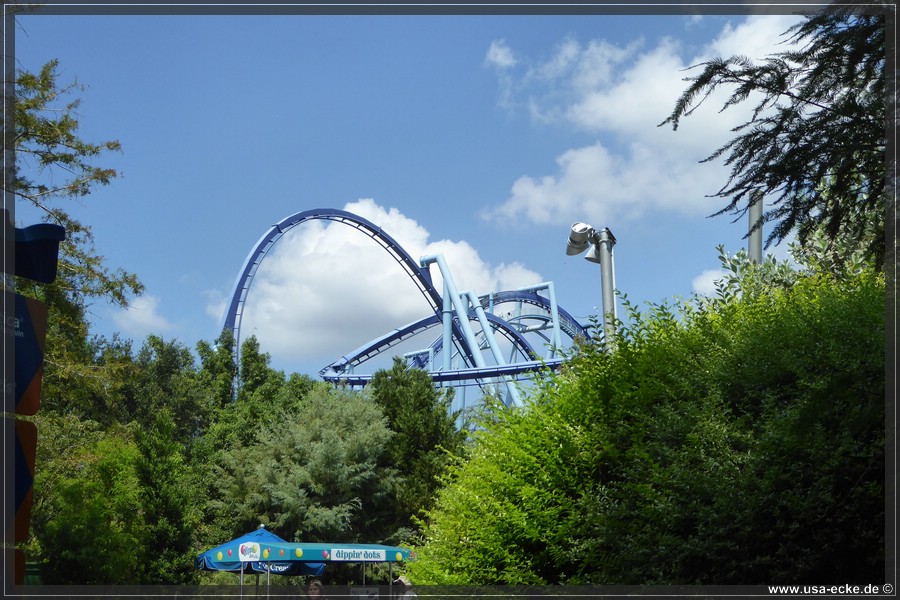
(545, 317)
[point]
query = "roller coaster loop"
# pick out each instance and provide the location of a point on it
(546, 316)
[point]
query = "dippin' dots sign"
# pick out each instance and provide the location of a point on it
(357, 555)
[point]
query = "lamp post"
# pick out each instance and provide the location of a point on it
(581, 237)
(754, 229)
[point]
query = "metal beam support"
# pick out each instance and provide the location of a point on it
(511, 388)
(461, 313)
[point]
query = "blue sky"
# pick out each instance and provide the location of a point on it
(482, 138)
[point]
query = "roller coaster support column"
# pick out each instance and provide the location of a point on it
(492, 344)
(447, 316)
(462, 315)
(554, 313)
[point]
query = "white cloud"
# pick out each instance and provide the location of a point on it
(621, 94)
(141, 317)
(705, 283)
(326, 288)
(757, 37)
(693, 21)
(215, 304)
(601, 186)
(500, 55)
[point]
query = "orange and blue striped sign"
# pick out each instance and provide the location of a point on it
(28, 326)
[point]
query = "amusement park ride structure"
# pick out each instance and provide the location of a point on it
(495, 354)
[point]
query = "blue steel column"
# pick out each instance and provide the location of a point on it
(447, 316)
(492, 344)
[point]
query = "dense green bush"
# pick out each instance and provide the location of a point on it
(113, 507)
(737, 439)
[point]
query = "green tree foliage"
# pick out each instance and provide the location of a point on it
(169, 503)
(64, 442)
(494, 519)
(143, 457)
(47, 139)
(314, 472)
(425, 436)
(218, 370)
(237, 419)
(87, 524)
(96, 533)
(52, 165)
(257, 377)
(153, 411)
(113, 505)
(164, 379)
(815, 142)
(737, 439)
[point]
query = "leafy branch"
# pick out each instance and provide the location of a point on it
(815, 140)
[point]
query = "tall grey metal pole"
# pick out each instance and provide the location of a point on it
(604, 243)
(754, 240)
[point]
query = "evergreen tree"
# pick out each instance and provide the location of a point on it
(313, 472)
(425, 436)
(217, 367)
(167, 498)
(815, 143)
(164, 378)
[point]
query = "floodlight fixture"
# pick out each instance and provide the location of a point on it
(599, 244)
(579, 238)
